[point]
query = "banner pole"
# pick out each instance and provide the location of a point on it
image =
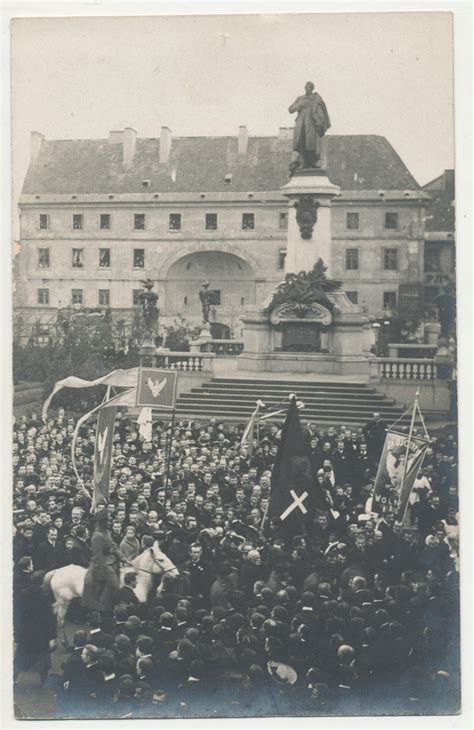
(168, 452)
(410, 434)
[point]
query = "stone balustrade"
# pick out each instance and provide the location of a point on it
(419, 369)
(187, 362)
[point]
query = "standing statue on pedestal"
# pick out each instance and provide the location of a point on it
(312, 123)
(205, 297)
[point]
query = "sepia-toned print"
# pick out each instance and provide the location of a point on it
(235, 449)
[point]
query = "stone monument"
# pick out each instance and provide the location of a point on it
(308, 324)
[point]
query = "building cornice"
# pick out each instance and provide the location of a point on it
(157, 200)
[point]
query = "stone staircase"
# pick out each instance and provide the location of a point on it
(326, 402)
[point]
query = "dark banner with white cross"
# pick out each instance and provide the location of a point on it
(295, 493)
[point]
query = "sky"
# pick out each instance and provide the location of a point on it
(379, 73)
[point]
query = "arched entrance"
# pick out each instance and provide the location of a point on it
(231, 280)
(220, 331)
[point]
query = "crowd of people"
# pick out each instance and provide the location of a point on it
(354, 614)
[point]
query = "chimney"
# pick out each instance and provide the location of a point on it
(285, 133)
(449, 183)
(165, 145)
(129, 145)
(36, 139)
(243, 140)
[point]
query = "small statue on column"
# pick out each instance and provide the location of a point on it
(205, 297)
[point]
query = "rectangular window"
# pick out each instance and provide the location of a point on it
(248, 221)
(391, 221)
(353, 296)
(211, 221)
(390, 259)
(77, 220)
(352, 259)
(281, 259)
(138, 258)
(389, 299)
(185, 300)
(283, 221)
(214, 296)
(175, 222)
(43, 258)
(139, 221)
(242, 301)
(104, 297)
(136, 297)
(43, 296)
(77, 297)
(104, 258)
(104, 221)
(77, 258)
(44, 221)
(352, 221)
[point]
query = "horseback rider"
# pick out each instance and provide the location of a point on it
(102, 580)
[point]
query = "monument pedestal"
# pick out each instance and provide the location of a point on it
(309, 194)
(344, 342)
(312, 327)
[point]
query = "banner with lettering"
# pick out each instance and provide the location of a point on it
(103, 455)
(391, 491)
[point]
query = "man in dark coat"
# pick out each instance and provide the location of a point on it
(126, 594)
(199, 572)
(35, 630)
(50, 553)
(374, 432)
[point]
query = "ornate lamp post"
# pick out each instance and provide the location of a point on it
(148, 300)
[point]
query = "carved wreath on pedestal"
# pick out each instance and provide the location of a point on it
(306, 215)
(305, 289)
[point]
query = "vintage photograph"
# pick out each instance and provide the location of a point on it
(235, 446)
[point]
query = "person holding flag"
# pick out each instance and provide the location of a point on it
(295, 493)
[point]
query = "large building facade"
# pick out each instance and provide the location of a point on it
(100, 216)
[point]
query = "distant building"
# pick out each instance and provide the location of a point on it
(439, 257)
(99, 216)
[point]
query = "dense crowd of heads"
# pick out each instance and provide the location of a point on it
(342, 617)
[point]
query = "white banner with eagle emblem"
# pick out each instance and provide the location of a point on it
(157, 389)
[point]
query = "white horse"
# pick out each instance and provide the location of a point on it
(68, 582)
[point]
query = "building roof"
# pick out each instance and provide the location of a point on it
(440, 211)
(200, 164)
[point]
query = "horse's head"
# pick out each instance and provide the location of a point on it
(158, 562)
